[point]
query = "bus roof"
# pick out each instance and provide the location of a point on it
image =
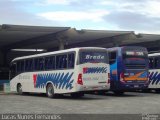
(55, 52)
(115, 48)
(154, 54)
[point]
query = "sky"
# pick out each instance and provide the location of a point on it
(141, 16)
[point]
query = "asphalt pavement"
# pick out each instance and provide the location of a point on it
(130, 103)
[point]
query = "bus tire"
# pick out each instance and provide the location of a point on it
(19, 89)
(50, 91)
(118, 92)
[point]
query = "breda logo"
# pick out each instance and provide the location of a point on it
(94, 57)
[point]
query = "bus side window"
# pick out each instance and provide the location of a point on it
(39, 63)
(29, 65)
(50, 63)
(61, 61)
(71, 60)
(151, 63)
(157, 62)
(112, 57)
(26, 65)
(13, 69)
(20, 66)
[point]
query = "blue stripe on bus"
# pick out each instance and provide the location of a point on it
(60, 80)
(95, 70)
(154, 78)
(143, 75)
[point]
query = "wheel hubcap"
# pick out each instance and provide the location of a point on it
(50, 91)
(20, 89)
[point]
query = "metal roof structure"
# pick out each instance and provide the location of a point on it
(54, 38)
(150, 41)
(18, 36)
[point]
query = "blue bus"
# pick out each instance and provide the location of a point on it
(128, 68)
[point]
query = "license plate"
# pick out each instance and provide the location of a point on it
(95, 88)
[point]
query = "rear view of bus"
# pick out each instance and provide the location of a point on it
(130, 71)
(93, 70)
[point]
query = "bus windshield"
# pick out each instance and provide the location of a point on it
(135, 58)
(93, 57)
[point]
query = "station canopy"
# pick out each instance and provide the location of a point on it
(54, 38)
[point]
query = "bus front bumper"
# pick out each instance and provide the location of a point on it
(130, 87)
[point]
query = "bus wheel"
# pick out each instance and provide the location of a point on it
(118, 92)
(77, 95)
(50, 91)
(19, 89)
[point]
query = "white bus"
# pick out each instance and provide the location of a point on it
(154, 72)
(74, 71)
